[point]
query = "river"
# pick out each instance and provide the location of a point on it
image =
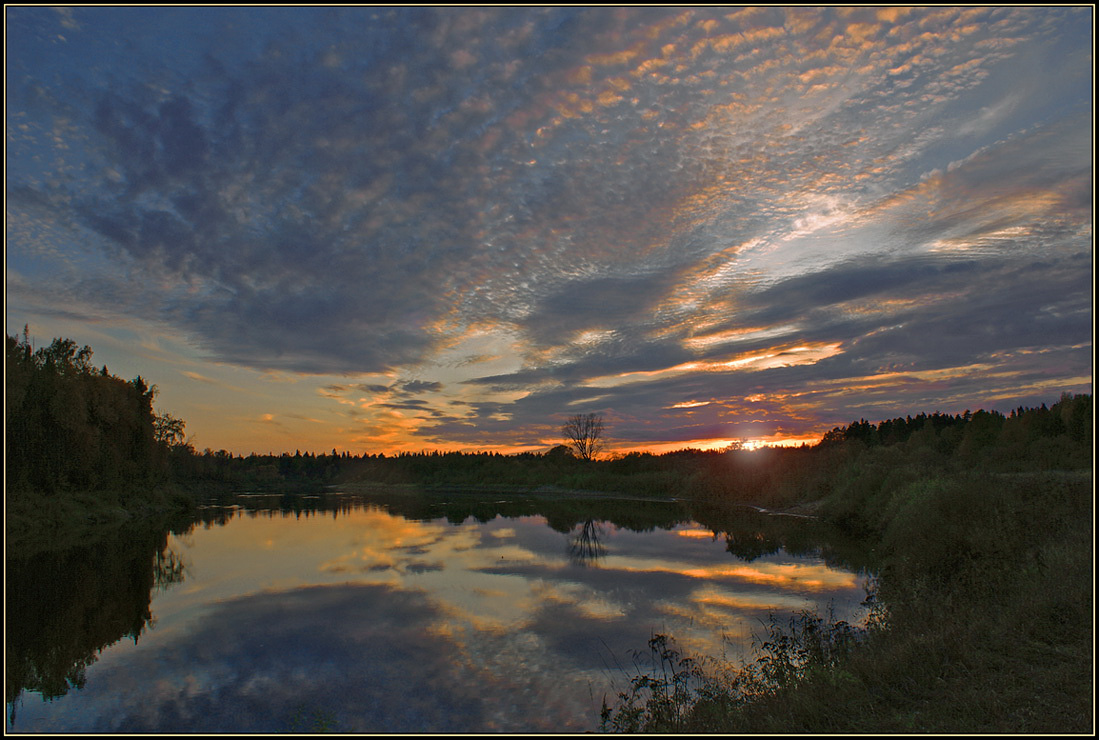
(397, 612)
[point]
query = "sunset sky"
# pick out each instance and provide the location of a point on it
(378, 229)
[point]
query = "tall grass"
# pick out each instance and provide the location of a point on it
(982, 621)
(689, 694)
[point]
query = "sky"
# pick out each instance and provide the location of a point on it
(449, 228)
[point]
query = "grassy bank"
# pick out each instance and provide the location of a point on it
(984, 624)
(35, 523)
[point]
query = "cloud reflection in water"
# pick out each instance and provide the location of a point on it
(386, 624)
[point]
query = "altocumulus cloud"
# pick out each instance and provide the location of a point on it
(607, 192)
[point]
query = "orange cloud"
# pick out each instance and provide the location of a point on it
(783, 576)
(785, 356)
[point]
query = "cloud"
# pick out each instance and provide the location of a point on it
(242, 662)
(199, 377)
(421, 386)
(356, 191)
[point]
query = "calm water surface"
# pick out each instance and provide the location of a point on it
(395, 614)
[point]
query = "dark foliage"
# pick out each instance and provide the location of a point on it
(852, 462)
(72, 427)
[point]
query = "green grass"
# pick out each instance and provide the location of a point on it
(983, 624)
(35, 523)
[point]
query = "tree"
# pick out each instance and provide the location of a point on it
(168, 430)
(559, 453)
(584, 433)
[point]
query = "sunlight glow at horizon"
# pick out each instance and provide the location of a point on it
(444, 228)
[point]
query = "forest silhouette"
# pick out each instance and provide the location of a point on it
(980, 524)
(79, 438)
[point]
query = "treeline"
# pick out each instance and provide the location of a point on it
(643, 474)
(1026, 439)
(981, 529)
(871, 475)
(73, 427)
(428, 469)
(982, 616)
(1057, 437)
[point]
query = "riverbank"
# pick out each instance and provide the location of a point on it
(984, 624)
(533, 491)
(35, 524)
(985, 597)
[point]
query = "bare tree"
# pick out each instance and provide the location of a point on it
(584, 433)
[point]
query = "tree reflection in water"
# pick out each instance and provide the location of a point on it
(64, 607)
(585, 547)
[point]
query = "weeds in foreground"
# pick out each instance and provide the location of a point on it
(807, 644)
(985, 625)
(659, 701)
(680, 696)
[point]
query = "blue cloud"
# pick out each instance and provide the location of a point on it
(353, 190)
